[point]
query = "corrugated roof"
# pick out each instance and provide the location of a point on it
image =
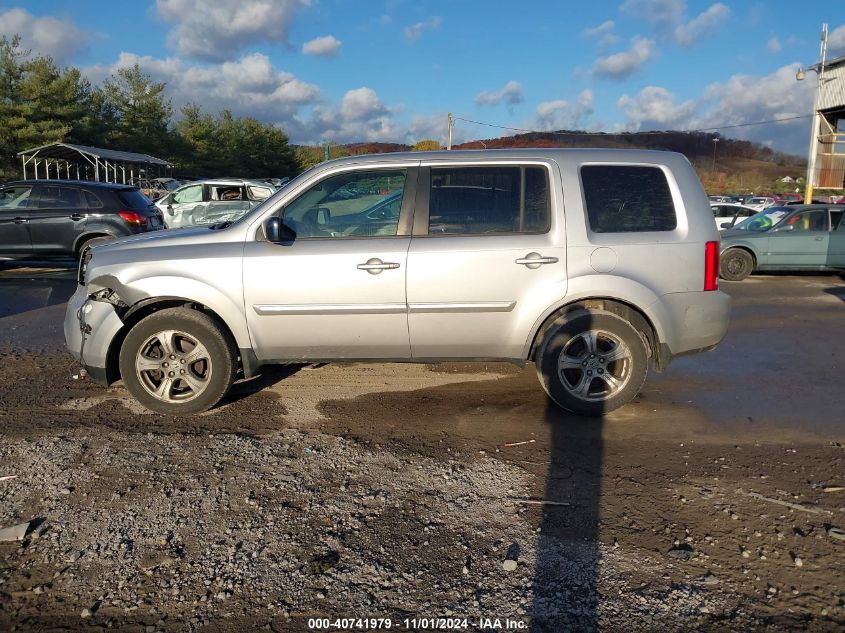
(67, 151)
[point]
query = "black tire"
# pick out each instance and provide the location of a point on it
(91, 242)
(736, 264)
(564, 362)
(186, 386)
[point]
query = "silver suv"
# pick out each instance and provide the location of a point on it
(586, 262)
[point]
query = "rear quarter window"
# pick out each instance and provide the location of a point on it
(627, 199)
(133, 199)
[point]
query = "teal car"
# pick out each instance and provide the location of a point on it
(800, 238)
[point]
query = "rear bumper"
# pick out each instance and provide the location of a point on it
(698, 321)
(90, 327)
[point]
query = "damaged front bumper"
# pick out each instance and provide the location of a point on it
(90, 327)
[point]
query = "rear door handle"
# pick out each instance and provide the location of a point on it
(535, 260)
(374, 266)
(76, 217)
(20, 220)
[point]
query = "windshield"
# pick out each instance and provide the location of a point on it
(764, 220)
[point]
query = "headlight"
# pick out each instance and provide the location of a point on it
(83, 266)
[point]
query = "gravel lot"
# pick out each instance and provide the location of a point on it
(365, 491)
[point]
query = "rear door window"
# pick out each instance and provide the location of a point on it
(59, 198)
(627, 199)
(488, 200)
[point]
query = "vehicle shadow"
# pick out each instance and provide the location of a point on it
(21, 295)
(566, 573)
(269, 376)
(836, 291)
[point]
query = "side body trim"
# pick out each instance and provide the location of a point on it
(383, 308)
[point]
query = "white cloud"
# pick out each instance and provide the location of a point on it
(361, 104)
(59, 39)
(654, 107)
(326, 46)
(702, 25)
(414, 31)
(361, 117)
(836, 41)
(511, 94)
(216, 30)
(774, 45)
(659, 12)
(603, 33)
(622, 65)
(738, 101)
(249, 86)
(564, 115)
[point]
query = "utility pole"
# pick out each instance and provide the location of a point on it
(815, 130)
(715, 140)
(449, 124)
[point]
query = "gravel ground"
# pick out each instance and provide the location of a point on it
(392, 491)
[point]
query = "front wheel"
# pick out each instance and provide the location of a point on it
(736, 264)
(592, 363)
(177, 361)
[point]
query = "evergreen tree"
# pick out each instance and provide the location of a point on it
(142, 113)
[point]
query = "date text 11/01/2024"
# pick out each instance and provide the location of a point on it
(491, 624)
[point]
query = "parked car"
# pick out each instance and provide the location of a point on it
(786, 198)
(726, 215)
(481, 262)
(60, 218)
(717, 199)
(759, 203)
(806, 237)
(212, 201)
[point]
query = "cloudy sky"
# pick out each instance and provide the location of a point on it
(390, 70)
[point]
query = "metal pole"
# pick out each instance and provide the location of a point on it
(449, 129)
(715, 141)
(23, 164)
(814, 132)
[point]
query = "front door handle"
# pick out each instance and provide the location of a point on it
(20, 220)
(374, 266)
(535, 260)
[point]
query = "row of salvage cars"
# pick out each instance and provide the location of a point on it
(807, 237)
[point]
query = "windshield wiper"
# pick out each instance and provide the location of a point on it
(222, 225)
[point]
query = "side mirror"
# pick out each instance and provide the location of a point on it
(787, 227)
(277, 232)
(725, 225)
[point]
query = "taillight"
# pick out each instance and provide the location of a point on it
(711, 266)
(133, 217)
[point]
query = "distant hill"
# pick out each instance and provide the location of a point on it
(740, 166)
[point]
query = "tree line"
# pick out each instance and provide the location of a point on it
(43, 103)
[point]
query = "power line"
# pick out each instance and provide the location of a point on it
(706, 129)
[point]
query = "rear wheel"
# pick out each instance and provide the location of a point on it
(736, 264)
(177, 361)
(592, 363)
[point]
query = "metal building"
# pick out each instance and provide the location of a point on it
(80, 162)
(830, 155)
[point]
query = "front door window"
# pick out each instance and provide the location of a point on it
(354, 204)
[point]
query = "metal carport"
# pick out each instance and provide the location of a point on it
(92, 163)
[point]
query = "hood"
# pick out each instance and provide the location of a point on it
(740, 233)
(171, 237)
